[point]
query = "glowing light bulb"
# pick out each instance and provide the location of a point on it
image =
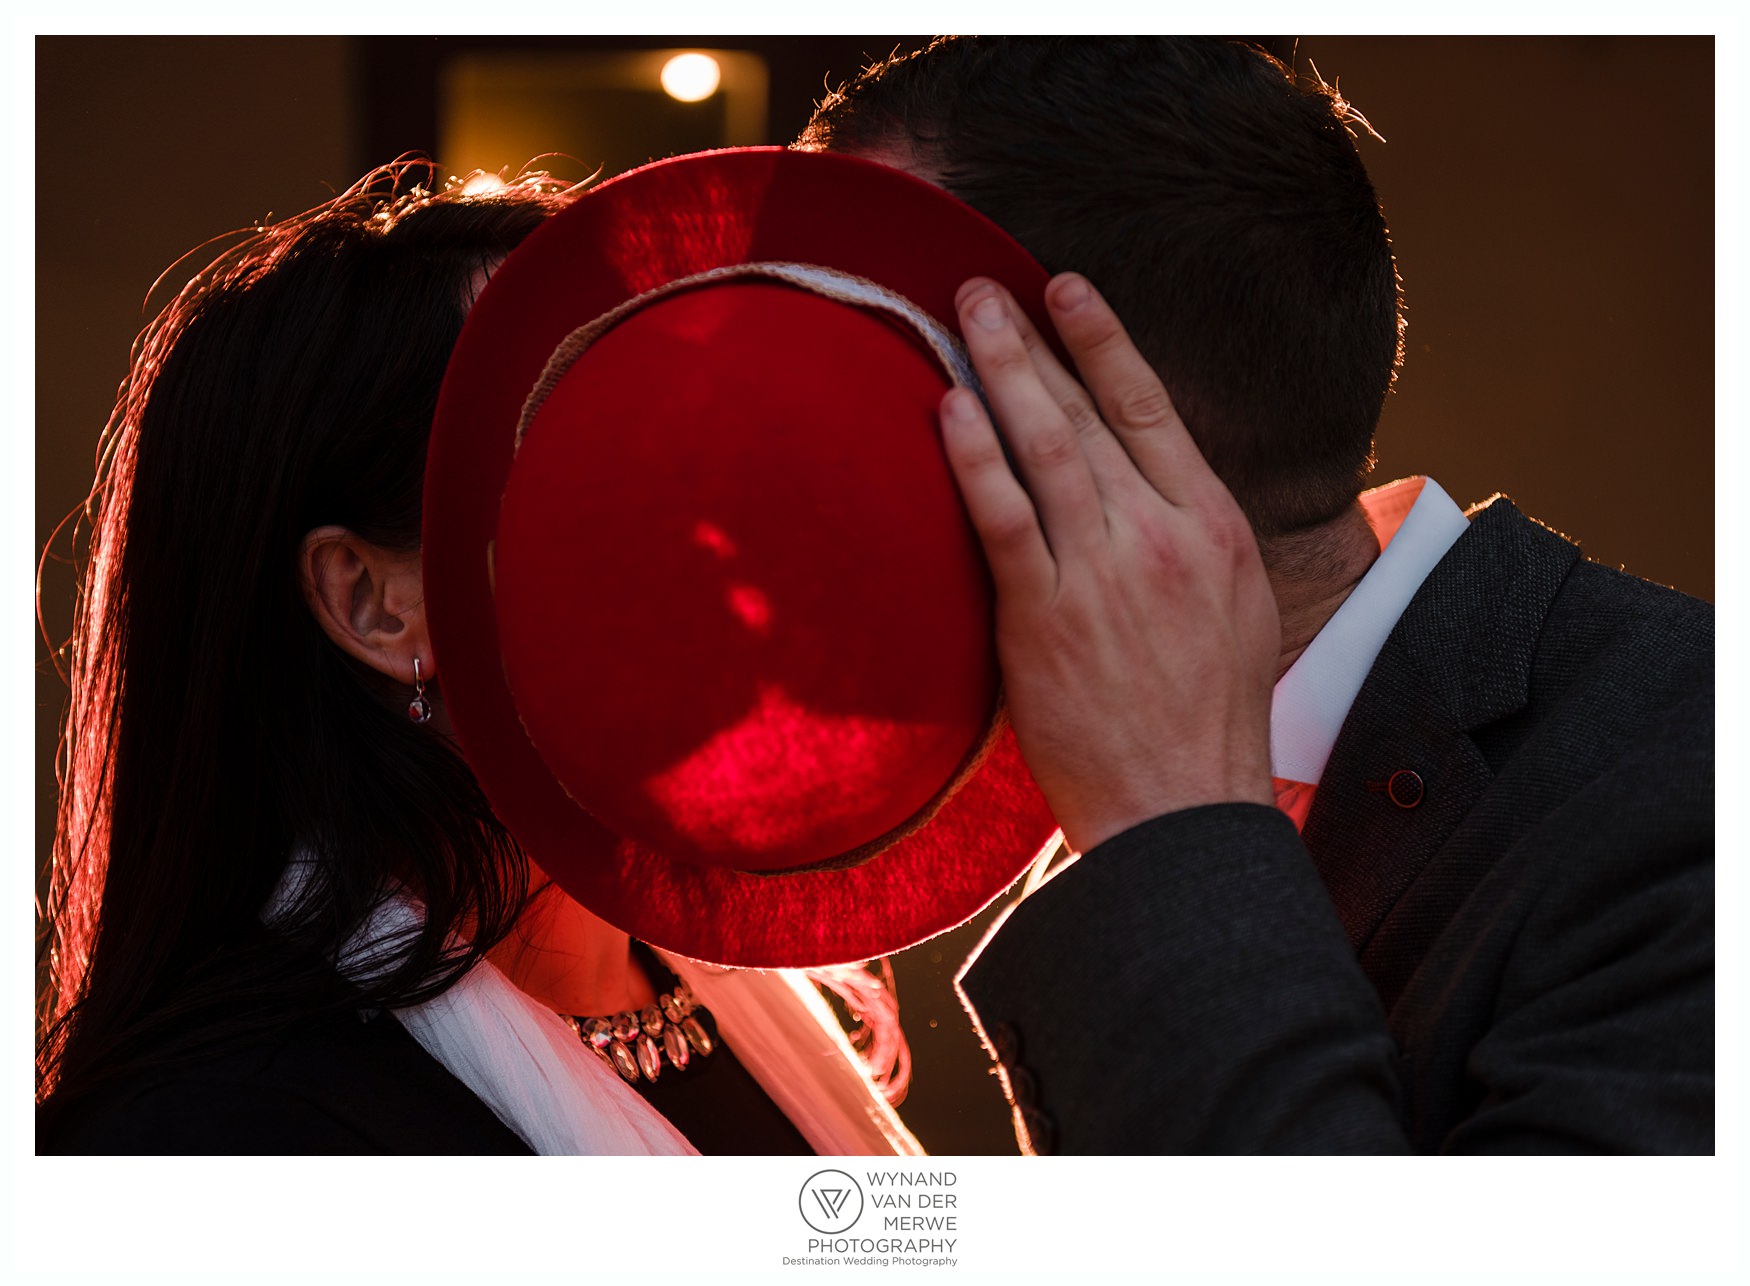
(691, 77)
(480, 181)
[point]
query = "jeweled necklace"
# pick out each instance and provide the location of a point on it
(635, 1044)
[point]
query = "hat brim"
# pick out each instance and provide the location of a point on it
(654, 225)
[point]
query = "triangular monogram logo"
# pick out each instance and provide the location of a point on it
(832, 1200)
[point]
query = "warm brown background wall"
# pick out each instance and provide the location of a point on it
(1551, 203)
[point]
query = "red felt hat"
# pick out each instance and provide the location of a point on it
(712, 626)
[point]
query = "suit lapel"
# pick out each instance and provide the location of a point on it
(1459, 658)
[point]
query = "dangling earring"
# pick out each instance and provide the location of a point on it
(419, 710)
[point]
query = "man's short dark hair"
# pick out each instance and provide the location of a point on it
(1216, 201)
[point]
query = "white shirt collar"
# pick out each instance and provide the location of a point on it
(1312, 700)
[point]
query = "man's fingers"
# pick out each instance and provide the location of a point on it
(1113, 470)
(1130, 395)
(1046, 447)
(1001, 512)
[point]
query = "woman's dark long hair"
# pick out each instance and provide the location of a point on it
(213, 729)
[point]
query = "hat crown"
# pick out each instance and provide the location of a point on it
(742, 612)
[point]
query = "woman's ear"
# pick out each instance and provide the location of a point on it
(369, 600)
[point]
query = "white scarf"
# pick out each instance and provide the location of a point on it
(525, 1063)
(789, 1040)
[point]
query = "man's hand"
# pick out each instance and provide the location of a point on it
(1136, 630)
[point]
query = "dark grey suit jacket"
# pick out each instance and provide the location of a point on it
(1521, 961)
